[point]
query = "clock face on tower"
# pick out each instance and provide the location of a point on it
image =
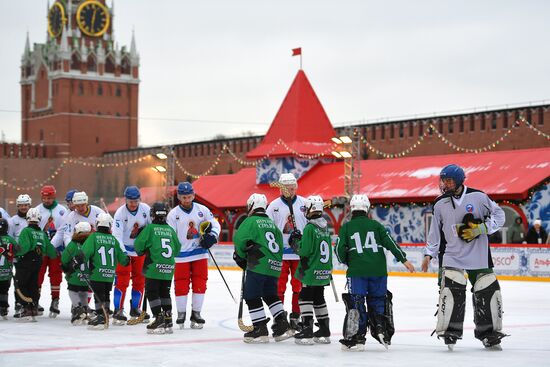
(93, 18)
(56, 19)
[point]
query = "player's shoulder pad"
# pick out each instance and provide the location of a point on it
(470, 190)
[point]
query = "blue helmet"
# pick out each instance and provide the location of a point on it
(69, 195)
(453, 172)
(132, 193)
(185, 188)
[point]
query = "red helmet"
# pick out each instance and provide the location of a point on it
(48, 190)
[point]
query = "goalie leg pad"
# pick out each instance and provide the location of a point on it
(452, 302)
(487, 301)
(355, 321)
(382, 323)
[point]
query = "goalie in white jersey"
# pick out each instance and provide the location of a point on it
(187, 219)
(83, 212)
(463, 218)
(130, 219)
(279, 212)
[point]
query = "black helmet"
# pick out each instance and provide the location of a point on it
(4, 225)
(159, 211)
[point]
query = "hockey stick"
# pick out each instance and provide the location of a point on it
(141, 317)
(242, 326)
(105, 311)
(19, 293)
(334, 289)
(221, 274)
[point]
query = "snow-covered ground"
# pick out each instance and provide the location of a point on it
(55, 342)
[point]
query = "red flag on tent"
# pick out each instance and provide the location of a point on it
(296, 51)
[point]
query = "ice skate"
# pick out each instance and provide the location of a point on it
(4, 313)
(181, 319)
(18, 311)
(54, 308)
(78, 316)
(492, 342)
(157, 325)
(281, 328)
(197, 322)
(322, 335)
(119, 318)
(260, 334)
(295, 321)
(98, 322)
(354, 344)
(28, 315)
(136, 312)
(450, 342)
(305, 336)
(168, 322)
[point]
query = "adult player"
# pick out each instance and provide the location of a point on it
(130, 219)
(279, 211)
(19, 220)
(192, 260)
(463, 218)
(57, 240)
(83, 212)
(52, 214)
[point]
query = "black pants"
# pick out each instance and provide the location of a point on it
(312, 301)
(158, 294)
(26, 277)
(102, 293)
(4, 288)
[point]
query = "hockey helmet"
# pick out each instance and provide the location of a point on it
(360, 202)
(48, 190)
(287, 179)
(132, 193)
(70, 194)
(4, 226)
(185, 188)
(23, 199)
(80, 198)
(104, 220)
(159, 211)
(256, 202)
(82, 227)
(453, 172)
(34, 216)
(314, 203)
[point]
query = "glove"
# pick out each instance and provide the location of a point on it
(473, 231)
(241, 263)
(78, 259)
(294, 239)
(68, 268)
(205, 227)
(207, 240)
(467, 222)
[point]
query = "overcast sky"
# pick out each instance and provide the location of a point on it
(230, 60)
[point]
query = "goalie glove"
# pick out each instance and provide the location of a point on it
(294, 240)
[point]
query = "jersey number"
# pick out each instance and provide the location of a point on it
(370, 242)
(271, 243)
(165, 244)
(103, 253)
(324, 249)
(2, 260)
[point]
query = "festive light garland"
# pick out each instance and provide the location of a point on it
(530, 126)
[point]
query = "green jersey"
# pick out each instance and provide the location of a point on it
(76, 277)
(260, 242)
(361, 245)
(103, 252)
(5, 263)
(160, 244)
(34, 239)
(315, 252)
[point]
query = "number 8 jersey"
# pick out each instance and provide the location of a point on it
(361, 244)
(260, 242)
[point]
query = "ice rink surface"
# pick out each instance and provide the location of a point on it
(55, 342)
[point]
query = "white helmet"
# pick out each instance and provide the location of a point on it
(82, 227)
(256, 201)
(360, 202)
(23, 199)
(33, 215)
(80, 198)
(287, 179)
(104, 220)
(314, 203)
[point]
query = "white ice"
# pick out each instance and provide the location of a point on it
(55, 342)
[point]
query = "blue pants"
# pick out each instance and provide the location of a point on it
(374, 289)
(259, 285)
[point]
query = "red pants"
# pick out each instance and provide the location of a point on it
(290, 266)
(195, 273)
(55, 274)
(134, 271)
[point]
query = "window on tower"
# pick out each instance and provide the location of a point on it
(75, 62)
(125, 66)
(110, 65)
(100, 90)
(80, 89)
(118, 92)
(92, 65)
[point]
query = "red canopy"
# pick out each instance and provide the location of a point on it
(502, 175)
(301, 123)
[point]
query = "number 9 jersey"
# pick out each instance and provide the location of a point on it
(260, 242)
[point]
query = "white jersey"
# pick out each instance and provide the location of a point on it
(17, 224)
(279, 212)
(186, 224)
(52, 219)
(73, 218)
(4, 214)
(443, 238)
(127, 226)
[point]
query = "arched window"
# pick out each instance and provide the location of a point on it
(110, 65)
(92, 64)
(80, 89)
(125, 66)
(75, 62)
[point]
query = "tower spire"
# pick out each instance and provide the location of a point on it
(27, 51)
(134, 56)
